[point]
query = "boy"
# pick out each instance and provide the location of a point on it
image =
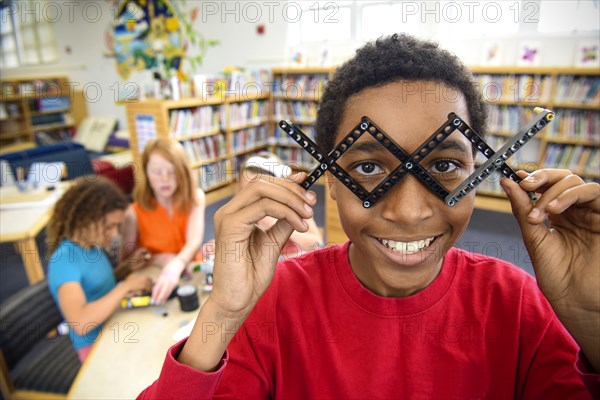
(396, 312)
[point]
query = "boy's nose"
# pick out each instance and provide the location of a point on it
(408, 202)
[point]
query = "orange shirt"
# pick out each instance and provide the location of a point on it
(160, 232)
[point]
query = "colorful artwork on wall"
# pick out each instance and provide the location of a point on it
(147, 34)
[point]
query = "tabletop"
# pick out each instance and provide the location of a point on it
(130, 352)
(24, 214)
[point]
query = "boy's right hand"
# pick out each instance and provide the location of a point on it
(246, 255)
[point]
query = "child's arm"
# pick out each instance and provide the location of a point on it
(129, 234)
(565, 252)
(173, 269)
(245, 262)
(81, 315)
(131, 257)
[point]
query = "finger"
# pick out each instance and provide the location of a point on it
(158, 293)
(542, 179)
(252, 214)
(281, 232)
(277, 189)
(521, 208)
(587, 194)
(553, 189)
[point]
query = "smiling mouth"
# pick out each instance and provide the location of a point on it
(407, 247)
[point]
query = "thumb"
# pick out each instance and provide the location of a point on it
(280, 233)
(521, 207)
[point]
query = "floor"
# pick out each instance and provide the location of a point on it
(490, 233)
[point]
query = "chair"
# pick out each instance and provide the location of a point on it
(34, 361)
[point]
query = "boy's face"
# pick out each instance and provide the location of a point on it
(398, 244)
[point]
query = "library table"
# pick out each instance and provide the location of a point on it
(129, 354)
(22, 216)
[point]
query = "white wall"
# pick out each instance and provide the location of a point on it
(82, 24)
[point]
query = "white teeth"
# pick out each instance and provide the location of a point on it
(407, 247)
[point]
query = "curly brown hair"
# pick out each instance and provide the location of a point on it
(390, 59)
(86, 202)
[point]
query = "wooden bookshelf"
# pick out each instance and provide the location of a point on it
(40, 109)
(571, 142)
(296, 96)
(217, 133)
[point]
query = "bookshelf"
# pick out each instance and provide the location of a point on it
(41, 110)
(572, 141)
(296, 95)
(218, 133)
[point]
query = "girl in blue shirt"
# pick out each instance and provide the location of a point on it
(80, 276)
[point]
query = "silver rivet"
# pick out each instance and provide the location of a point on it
(456, 122)
(451, 203)
(323, 166)
(364, 126)
(408, 165)
(366, 204)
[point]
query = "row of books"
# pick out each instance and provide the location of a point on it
(251, 80)
(46, 119)
(196, 120)
(578, 89)
(300, 86)
(247, 112)
(575, 124)
(282, 138)
(508, 118)
(246, 139)
(45, 104)
(297, 111)
(205, 148)
(579, 159)
(213, 174)
(295, 157)
(522, 88)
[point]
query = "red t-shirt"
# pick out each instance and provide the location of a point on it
(481, 329)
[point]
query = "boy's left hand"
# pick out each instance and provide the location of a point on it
(562, 235)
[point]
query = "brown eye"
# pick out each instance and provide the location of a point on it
(368, 168)
(442, 166)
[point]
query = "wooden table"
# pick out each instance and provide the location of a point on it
(131, 350)
(22, 216)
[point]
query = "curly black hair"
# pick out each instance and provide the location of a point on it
(87, 201)
(390, 59)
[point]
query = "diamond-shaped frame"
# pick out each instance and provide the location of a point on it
(409, 163)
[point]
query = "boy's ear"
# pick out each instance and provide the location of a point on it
(330, 179)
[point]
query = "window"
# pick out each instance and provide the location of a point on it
(569, 15)
(386, 19)
(470, 19)
(321, 21)
(27, 37)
